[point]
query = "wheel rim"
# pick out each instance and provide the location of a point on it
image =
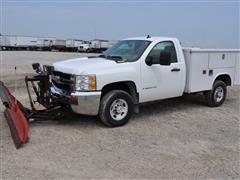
(119, 109)
(219, 94)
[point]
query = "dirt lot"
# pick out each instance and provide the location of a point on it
(174, 139)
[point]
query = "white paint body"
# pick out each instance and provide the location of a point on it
(45, 42)
(159, 82)
(58, 42)
(18, 41)
(98, 43)
(73, 43)
(84, 47)
(198, 60)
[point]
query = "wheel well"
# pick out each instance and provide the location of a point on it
(225, 78)
(127, 86)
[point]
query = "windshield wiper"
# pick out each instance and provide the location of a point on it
(102, 56)
(113, 57)
(117, 58)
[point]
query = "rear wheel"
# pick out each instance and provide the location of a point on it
(116, 108)
(217, 95)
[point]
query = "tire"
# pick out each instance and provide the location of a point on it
(116, 108)
(217, 95)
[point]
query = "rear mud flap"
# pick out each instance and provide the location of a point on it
(15, 115)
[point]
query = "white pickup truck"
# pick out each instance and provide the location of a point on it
(143, 69)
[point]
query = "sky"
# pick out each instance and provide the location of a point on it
(206, 24)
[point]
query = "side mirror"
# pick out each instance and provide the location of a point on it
(165, 58)
(149, 60)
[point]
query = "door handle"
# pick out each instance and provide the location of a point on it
(175, 69)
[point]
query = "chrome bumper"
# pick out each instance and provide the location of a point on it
(88, 102)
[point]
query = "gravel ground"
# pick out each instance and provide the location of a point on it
(179, 138)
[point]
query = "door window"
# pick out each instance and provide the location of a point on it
(166, 46)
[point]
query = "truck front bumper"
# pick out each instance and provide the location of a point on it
(84, 102)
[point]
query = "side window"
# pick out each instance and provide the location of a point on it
(167, 46)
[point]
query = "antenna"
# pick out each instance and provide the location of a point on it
(148, 36)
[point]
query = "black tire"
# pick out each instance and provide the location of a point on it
(106, 103)
(212, 95)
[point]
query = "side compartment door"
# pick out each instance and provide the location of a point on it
(162, 81)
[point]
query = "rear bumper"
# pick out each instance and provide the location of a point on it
(87, 102)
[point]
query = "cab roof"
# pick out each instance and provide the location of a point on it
(156, 38)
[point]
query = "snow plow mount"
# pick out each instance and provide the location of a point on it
(18, 117)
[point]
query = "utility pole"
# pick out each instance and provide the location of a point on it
(95, 33)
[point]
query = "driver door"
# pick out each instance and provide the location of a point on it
(162, 81)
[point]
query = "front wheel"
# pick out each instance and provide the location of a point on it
(217, 95)
(116, 108)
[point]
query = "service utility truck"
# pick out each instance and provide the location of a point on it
(133, 71)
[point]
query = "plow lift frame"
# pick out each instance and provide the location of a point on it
(18, 117)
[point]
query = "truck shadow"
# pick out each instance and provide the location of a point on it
(155, 108)
(174, 104)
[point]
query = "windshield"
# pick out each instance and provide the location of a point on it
(126, 50)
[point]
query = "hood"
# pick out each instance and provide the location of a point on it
(84, 65)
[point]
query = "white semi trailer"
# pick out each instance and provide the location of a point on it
(58, 44)
(15, 42)
(45, 43)
(73, 44)
(98, 45)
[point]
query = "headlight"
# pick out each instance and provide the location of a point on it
(85, 82)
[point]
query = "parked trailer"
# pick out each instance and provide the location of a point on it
(112, 42)
(1, 42)
(27, 42)
(99, 45)
(73, 44)
(45, 44)
(58, 44)
(9, 42)
(15, 42)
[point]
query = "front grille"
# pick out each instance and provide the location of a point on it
(62, 75)
(62, 81)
